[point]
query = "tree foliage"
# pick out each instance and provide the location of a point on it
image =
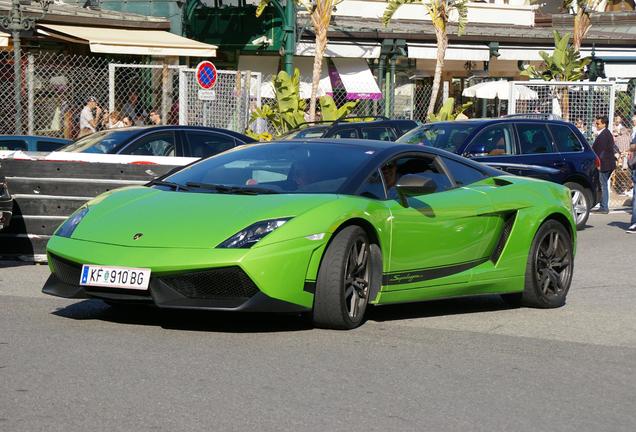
(288, 111)
(448, 111)
(564, 64)
(439, 11)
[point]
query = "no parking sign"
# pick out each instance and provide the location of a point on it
(206, 75)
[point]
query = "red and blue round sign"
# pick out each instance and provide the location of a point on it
(206, 75)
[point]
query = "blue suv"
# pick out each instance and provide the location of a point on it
(551, 150)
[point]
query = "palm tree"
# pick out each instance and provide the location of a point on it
(582, 23)
(320, 13)
(439, 11)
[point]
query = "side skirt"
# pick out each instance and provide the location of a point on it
(495, 286)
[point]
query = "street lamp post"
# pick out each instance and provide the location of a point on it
(16, 22)
(287, 14)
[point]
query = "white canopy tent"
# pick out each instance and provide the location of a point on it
(499, 89)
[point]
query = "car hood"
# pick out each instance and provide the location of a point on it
(168, 219)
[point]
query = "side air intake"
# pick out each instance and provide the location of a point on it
(509, 221)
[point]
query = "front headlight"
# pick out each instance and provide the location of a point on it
(69, 225)
(252, 234)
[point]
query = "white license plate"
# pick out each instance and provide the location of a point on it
(115, 277)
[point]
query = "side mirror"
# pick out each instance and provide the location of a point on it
(413, 185)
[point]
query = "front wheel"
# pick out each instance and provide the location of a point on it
(549, 268)
(345, 279)
(581, 203)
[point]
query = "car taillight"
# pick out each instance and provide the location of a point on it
(597, 162)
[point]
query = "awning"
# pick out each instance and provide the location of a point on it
(351, 49)
(428, 51)
(521, 53)
(306, 67)
(620, 70)
(356, 78)
(531, 53)
(268, 67)
(4, 39)
(123, 41)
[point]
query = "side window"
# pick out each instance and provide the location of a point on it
(48, 146)
(418, 165)
(204, 144)
(345, 133)
(378, 133)
(534, 139)
(13, 145)
(373, 187)
(157, 144)
(493, 141)
(565, 139)
(462, 173)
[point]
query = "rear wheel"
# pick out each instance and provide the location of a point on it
(344, 280)
(581, 203)
(549, 268)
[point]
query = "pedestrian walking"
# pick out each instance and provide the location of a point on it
(89, 117)
(604, 148)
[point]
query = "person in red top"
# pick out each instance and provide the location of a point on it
(604, 148)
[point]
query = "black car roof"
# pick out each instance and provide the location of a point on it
(386, 149)
(487, 121)
(142, 129)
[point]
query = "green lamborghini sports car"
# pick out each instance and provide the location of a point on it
(324, 227)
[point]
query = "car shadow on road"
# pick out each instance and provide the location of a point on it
(207, 321)
(435, 308)
(14, 263)
(242, 322)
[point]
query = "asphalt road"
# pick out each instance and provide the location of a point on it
(456, 365)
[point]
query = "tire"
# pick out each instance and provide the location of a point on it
(348, 274)
(549, 268)
(581, 203)
(512, 299)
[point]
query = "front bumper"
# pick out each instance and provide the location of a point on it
(270, 278)
(164, 296)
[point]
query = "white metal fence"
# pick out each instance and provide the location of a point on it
(55, 88)
(227, 106)
(581, 103)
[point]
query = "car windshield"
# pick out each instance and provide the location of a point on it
(106, 142)
(310, 132)
(280, 167)
(445, 136)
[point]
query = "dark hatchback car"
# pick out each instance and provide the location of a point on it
(381, 129)
(551, 150)
(177, 141)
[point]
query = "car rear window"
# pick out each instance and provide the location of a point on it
(378, 133)
(566, 140)
(445, 136)
(13, 145)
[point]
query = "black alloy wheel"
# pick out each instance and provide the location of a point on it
(550, 267)
(348, 270)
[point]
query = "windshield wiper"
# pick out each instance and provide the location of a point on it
(243, 190)
(176, 186)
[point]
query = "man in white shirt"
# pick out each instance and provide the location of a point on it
(88, 121)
